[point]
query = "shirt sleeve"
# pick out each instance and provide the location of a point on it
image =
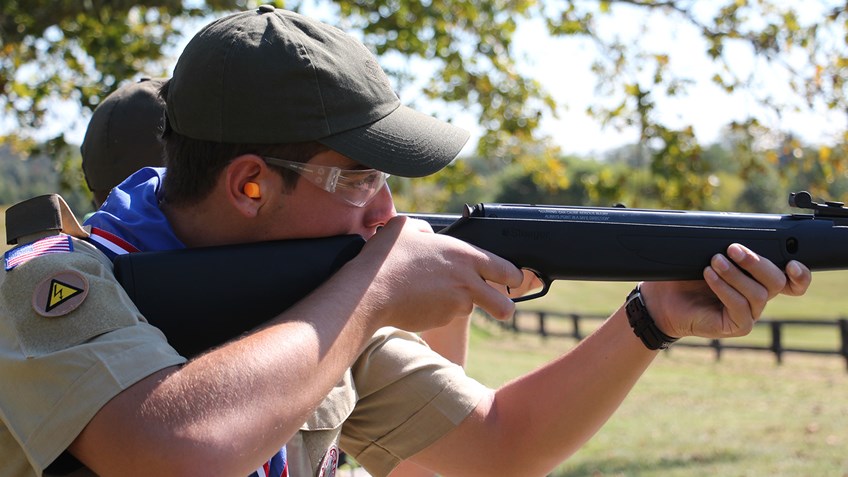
(65, 358)
(409, 396)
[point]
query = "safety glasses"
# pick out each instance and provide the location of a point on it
(357, 187)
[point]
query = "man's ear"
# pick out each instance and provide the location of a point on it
(246, 177)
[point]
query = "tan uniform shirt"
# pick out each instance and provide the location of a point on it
(65, 353)
(70, 340)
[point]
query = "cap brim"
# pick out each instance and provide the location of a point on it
(405, 143)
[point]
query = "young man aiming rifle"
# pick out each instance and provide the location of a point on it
(124, 135)
(264, 108)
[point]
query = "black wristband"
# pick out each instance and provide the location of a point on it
(643, 324)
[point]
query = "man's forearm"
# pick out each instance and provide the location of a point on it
(236, 405)
(532, 424)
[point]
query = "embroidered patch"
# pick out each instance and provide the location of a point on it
(47, 245)
(330, 462)
(60, 294)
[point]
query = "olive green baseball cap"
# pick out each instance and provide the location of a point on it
(271, 76)
(123, 135)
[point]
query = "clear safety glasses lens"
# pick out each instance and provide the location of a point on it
(357, 187)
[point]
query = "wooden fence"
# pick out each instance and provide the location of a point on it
(574, 325)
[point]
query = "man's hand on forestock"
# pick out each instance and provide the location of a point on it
(731, 298)
(426, 279)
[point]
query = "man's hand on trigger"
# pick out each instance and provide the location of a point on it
(529, 280)
(530, 284)
(431, 279)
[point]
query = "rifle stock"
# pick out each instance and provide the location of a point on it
(202, 297)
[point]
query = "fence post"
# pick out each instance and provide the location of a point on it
(512, 323)
(575, 322)
(843, 335)
(542, 330)
(716, 344)
(776, 340)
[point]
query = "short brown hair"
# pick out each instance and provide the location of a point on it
(193, 165)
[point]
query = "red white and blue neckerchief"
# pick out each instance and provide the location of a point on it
(130, 221)
(276, 467)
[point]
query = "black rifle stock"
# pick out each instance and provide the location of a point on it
(202, 297)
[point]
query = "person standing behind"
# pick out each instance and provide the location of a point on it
(123, 135)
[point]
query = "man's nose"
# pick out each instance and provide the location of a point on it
(380, 210)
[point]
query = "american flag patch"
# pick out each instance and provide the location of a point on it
(45, 246)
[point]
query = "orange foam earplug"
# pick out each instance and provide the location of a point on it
(251, 189)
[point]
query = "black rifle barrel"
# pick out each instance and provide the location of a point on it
(612, 244)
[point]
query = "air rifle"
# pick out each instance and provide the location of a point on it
(203, 297)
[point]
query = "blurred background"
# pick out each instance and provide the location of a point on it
(711, 105)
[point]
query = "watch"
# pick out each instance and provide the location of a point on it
(643, 324)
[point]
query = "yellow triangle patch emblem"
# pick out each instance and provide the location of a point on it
(60, 293)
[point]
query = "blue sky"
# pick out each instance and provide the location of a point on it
(563, 66)
(706, 107)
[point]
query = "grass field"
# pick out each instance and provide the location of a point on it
(692, 416)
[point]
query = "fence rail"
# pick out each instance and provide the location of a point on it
(572, 325)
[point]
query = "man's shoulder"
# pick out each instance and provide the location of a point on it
(55, 296)
(49, 254)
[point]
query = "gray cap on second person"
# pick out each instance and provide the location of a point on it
(123, 135)
(271, 76)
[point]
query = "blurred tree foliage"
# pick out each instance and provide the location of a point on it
(82, 50)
